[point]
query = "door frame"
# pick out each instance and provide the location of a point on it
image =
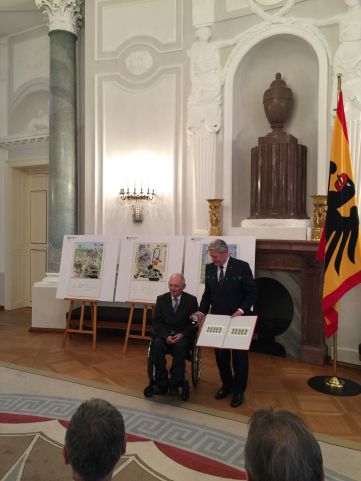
(16, 173)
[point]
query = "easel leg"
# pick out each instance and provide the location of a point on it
(71, 305)
(93, 309)
(130, 319)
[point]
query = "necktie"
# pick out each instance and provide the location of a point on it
(176, 304)
(221, 275)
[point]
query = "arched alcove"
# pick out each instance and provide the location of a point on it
(302, 59)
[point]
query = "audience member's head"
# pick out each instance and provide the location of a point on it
(94, 441)
(280, 447)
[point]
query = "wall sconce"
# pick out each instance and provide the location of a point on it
(136, 200)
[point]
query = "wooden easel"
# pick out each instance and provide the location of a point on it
(93, 316)
(128, 335)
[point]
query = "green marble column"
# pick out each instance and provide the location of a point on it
(63, 169)
(65, 18)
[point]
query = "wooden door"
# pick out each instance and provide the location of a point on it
(37, 230)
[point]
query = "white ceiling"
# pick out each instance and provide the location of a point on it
(19, 15)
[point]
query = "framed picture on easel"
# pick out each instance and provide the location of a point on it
(88, 267)
(145, 264)
(196, 258)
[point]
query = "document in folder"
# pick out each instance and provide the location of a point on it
(226, 332)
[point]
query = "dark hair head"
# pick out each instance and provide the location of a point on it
(95, 439)
(280, 447)
(218, 245)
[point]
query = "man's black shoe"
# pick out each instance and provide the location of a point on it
(237, 399)
(222, 393)
(173, 389)
(160, 390)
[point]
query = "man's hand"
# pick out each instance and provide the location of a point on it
(237, 313)
(174, 339)
(200, 318)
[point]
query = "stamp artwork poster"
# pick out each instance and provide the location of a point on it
(88, 267)
(149, 261)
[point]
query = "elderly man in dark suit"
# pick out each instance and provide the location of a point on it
(172, 332)
(230, 290)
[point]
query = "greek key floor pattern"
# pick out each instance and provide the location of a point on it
(212, 443)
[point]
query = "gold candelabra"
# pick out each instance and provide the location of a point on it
(214, 210)
(318, 216)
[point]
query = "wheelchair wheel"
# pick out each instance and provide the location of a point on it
(196, 365)
(150, 366)
(148, 391)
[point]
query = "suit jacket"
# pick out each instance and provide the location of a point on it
(168, 323)
(238, 289)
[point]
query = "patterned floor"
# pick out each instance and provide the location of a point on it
(165, 441)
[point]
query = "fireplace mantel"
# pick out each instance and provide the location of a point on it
(299, 255)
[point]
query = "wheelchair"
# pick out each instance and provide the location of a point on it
(194, 357)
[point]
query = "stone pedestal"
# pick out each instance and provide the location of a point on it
(279, 162)
(278, 178)
(48, 312)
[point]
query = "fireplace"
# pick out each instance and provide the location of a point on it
(294, 263)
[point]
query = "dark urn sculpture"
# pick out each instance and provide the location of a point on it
(278, 103)
(279, 162)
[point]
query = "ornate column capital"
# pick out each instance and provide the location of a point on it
(62, 14)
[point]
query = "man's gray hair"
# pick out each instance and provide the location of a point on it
(95, 439)
(218, 245)
(178, 274)
(280, 447)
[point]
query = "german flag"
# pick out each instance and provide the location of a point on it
(340, 245)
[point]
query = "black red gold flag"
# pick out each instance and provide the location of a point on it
(340, 245)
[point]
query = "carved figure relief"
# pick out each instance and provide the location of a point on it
(39, 123)
(206, 76)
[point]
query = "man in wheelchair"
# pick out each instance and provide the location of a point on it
(173, 333)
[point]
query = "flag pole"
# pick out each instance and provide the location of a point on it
(334, 382)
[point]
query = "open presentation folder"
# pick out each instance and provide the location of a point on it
(226, 332)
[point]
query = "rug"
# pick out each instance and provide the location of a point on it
(165, 441)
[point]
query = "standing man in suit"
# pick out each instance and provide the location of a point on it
(230, 290)
(172, 332)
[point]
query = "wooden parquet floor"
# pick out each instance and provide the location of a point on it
(273, 381)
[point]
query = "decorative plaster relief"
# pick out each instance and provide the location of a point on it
(62, 14)
(30, 60)
(10, 143)
(39, 122)
(159, 20)
(139, 62)
(232, 5)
